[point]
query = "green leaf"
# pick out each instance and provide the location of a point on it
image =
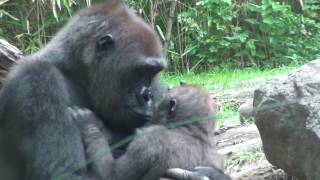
(254, 8)
(251, 21)
(211, 60)
(54, 10)
(160, 32)
(188, 50)
(243, 36)
(231, 38)
(213, 49)
(269, 20)
(3, 1)
(240, 53)
(66, 5)
(251, 47)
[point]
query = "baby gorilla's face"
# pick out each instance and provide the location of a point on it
(164, 110)
(185, 102)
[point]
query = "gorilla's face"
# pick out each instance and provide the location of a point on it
(123, 56)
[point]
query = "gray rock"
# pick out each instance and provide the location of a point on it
(287, 114)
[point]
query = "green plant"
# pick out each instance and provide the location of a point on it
(264, 33)
(204, 33)
(29, 24)
(228, 115)
(245, 157)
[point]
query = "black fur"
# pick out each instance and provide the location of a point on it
(77, 68)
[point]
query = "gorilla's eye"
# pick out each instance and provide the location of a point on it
(106, 41)
(173, 105)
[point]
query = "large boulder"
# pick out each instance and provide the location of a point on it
(287, 114)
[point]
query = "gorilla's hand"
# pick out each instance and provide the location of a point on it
(90, 126)
(181, 174)
(199, 173)
(95, 140)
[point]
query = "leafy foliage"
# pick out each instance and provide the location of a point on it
(29, 24)
(250, 33)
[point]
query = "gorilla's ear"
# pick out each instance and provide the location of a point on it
(173, 105)
(106, 41)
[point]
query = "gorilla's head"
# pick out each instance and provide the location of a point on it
(117, 55)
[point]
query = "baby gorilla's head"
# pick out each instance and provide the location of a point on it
(186, 105)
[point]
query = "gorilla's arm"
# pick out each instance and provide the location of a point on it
(96, 141)
(100, 158)
(136, 162)
(37, 127)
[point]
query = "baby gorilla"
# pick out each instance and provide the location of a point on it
(179, 135)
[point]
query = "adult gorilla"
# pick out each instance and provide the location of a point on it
(104, 59)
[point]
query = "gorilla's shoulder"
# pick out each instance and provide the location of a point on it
(30, 66)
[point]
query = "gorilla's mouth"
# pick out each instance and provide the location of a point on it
(142, 115)
(143, 110)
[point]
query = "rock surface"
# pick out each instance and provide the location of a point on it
(287, 114)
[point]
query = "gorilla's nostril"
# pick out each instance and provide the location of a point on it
(146, 97)
(155, 65)
(146, 94)
(150, 93)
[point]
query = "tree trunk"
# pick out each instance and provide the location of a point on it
(169, 24)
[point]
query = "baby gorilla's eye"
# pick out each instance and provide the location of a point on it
(172, 105)
(106, 41)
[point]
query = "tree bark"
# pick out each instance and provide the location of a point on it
(9, 55)
(169, 24)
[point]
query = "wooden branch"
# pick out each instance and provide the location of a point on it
(9, 55)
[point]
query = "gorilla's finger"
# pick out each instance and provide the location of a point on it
(181, 174)
(71, 110)
(211, 172)
(78, 112)
(87, 121)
